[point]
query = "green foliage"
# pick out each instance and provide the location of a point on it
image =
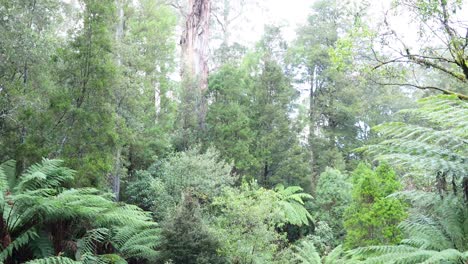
(70, 78)
(28, 30)
(305, 253)
(250, 119)
(161, 186)
(333, 197)
(372, 218)
(137, 191)
(186, 239)
(272, 95)
(435, 233)
(53, 260)
(342, 104)
(91, 82)
(429, 145)
(228, 120)
(247, 221)
(39, 211)
(290, 205)
(204, 174)
(322, 238)
(146, 51)
(84, 106)
(339, 256)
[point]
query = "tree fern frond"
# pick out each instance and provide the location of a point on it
(426, 228)
(439, 236)
(53, 260)
(306, 253)
(87, 244)
(108, 259)
(148, 237)
(415, 256)
(339, 256)
(432, 141)
(40, 201)
(47, 174)
(450, 254)
(17, 243)
(380, 250)
(7, 175)
(41, 246)
(291, 205)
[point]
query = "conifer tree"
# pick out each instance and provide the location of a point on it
(186, 239)
(373, 218)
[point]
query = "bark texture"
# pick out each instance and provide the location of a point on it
(194, 42)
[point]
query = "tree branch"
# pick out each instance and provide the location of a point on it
(459, 95)
(219, 21)
(425, 62)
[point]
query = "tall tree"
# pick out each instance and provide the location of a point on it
(251, 116)
(310, 52)
(146, 52)
(194, 69)
(342, 102)
(28, 43)
(271, 107)
(85, 108)
(228, 120)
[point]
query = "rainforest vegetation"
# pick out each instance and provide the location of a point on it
(149, 131)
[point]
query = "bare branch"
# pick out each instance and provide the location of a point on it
(459, 95)
(219, 21)
(428, 63)
(383, 63)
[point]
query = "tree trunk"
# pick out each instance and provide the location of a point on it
(114, 177)
(194, 44)
(312, 126)
(157, 101)
(119, 30)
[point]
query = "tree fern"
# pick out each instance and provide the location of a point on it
(339, 256)
(47, 174)
(88, 242)
(18, 242)
(291, 205)
(438, 236)
(137, 242)
(80, 221)
(53, 260)
(431, 143)
(306, 253)
(7, 174)
(41, 246)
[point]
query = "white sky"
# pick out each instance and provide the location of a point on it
(285, 13)
(288, 14)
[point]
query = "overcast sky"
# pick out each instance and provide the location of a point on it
(288, 14)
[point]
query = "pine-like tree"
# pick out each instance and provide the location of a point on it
(372, 218)
(186, 239)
